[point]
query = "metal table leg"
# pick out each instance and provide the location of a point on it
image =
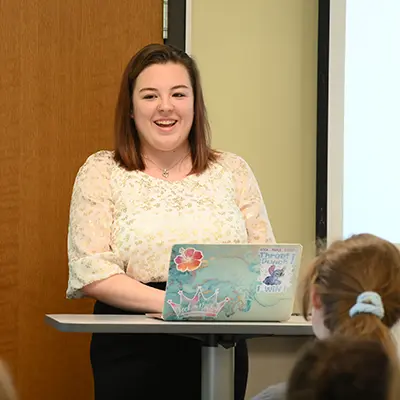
(217, 375)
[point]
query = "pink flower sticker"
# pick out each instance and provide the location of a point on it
(188, 260)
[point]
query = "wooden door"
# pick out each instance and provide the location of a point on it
(60, 65)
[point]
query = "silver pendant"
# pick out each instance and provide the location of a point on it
(165, 173)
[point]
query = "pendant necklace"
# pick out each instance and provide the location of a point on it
(165, 171)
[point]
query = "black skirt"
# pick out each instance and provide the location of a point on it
(152, 366)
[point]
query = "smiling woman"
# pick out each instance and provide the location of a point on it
(162, 185)
(161, 114)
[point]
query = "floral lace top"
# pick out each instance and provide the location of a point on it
(125, 222)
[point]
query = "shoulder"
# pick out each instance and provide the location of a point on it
(232, 161)
(101, 161)
(101, 157)
(96, 168)
(237, 166)
(274, 392)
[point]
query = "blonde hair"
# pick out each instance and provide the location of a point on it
(7, 390)
(343, 271)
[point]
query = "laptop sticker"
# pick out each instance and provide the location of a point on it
(188, 259)
(199, 305)
(276, 270)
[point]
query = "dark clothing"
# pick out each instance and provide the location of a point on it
(152, 366)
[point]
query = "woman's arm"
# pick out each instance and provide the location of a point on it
(124, 292)
(95, 270)
(251, 203)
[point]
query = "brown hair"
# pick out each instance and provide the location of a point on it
(7, 390)
(342, 368)
(348, 268)
(127, 142)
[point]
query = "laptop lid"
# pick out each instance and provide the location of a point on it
(237, 282)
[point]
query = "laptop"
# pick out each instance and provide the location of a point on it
(231, 282)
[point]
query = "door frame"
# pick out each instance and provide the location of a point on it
(179, 30)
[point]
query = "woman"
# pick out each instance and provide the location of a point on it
(352, 290)
(162, 185)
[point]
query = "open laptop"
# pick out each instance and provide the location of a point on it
(231, 282)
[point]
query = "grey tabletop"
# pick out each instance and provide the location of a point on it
(296, 326)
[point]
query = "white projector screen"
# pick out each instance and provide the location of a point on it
(363, 166)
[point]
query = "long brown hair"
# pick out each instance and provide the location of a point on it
(348, 268)
(127, 141)
(343, 368)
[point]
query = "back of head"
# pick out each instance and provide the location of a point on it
(7, 391)
(343, 369)
(347, 269)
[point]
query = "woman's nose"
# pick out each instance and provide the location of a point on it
(165, 105)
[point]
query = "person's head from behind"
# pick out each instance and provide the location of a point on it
(341, 368)
(352, 289)
(161, 108)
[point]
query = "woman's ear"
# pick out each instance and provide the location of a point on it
(317, 315)
(315, 299)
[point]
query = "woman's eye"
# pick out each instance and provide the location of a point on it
(178, 95)
(149, 96)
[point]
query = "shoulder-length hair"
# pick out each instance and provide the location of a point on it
(127, 142)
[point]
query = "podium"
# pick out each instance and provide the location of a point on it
(218, 340)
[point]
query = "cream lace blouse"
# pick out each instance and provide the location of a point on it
(125, 222)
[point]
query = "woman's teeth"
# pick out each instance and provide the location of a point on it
(165, 123)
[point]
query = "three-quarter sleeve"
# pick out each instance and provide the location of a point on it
(90, 256)
(251, 204)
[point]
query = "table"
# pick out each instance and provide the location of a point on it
(218, 340)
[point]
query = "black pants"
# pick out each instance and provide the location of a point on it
(152, 366)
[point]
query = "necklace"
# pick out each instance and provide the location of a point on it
(165, 171)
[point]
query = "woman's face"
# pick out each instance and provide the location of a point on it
(163, 106)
